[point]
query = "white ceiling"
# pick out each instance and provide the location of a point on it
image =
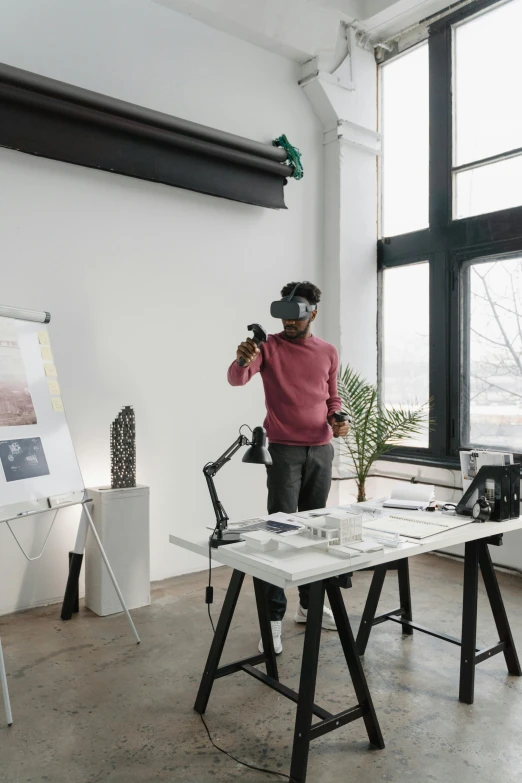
(300, 29)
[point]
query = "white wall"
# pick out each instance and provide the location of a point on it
(349, 119)
(150, 287)
(359, 221)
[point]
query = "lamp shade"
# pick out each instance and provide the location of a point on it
(258, 453)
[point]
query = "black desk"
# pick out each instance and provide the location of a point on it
(477, 555)
(304, 731)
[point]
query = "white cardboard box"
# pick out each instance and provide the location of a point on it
(121, 518)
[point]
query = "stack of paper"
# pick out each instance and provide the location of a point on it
(412, 496)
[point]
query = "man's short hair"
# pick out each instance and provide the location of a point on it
(307, 290)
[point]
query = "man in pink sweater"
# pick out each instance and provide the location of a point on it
(299, 374)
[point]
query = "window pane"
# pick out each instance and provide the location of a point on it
(488, 115)
(488, 188)
(492, 404)
(404, 126)
(405, 339)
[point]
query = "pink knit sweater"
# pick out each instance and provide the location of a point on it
(300, 381)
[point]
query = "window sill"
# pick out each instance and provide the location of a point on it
(415, 459)
(444, 463)
(448, 463)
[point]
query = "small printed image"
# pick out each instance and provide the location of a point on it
(16, 404)
(23, 459)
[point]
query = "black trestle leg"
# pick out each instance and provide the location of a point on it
(354, 665)
(370, 608)
(305, 703)
(469, 623)
(76, 607)
(218, 642)
(71, 597)
(264, 625)
(403, 573)
(498, 609)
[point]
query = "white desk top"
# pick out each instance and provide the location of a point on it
(312, 565)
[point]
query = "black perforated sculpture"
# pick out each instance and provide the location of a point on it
(123, 449)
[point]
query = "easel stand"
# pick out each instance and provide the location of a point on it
(70, 603)
(306, 709)
(71, 598)
(477, 555)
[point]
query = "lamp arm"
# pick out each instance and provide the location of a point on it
(210, 471)
(212, 468)
(219, 511)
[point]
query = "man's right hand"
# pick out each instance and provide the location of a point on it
(248, 351)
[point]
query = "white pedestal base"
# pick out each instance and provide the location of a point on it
(121, 518)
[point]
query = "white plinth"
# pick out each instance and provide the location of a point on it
(121, 518)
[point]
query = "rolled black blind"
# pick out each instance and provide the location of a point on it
(42, 116)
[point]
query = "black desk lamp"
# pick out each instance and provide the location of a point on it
(258, 454)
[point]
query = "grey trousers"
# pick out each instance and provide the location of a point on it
(298, 480)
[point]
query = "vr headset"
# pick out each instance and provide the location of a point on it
(288, 309)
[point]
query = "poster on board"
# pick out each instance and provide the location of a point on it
(16, 403)
(37, 457)
(23, 459)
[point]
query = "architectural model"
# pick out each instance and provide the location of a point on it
(342, 528)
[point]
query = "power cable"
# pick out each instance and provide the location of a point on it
(244, 763)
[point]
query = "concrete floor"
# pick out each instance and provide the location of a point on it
(90, 706)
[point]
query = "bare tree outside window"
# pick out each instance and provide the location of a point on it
(492, 371)
(405, 344)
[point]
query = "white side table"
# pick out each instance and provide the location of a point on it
(121, 518)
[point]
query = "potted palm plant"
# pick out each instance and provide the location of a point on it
(375, 428)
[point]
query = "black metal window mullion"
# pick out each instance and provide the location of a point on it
(440, 127)
(443, 410)
(456, 364)
(448, 245)
(440, 340)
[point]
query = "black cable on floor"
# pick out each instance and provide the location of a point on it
(211, 620)
(244, 763)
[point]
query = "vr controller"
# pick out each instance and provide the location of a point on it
(260, 336)
(340, 416)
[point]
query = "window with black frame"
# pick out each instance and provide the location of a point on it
(450, 253)
(491, 365)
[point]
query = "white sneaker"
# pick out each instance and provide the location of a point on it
(276, 636)
(328, 622)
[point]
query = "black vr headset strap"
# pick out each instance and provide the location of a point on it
(310, 308)
(291, 296)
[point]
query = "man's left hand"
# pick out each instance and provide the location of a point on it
(340, 428)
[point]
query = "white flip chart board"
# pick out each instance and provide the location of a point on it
(38, 464)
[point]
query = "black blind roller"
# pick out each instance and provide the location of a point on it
(46, 117)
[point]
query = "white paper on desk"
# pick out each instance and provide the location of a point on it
(414, 496)
(321, 512)
(366, 546)
(260, 523)
(369, 509)
(287, 519)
